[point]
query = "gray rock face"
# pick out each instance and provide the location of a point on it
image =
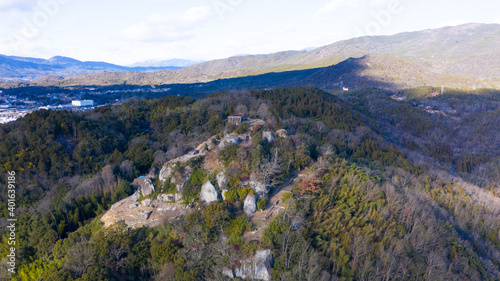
(146, 214)
(259, 188)
(178, 197)
(227, 141)
(135, 197)
(167, 198)
(250, 204)
(258, 267)
(165, 173)
(221, 180)
(268, 136)
(146, 187)
(228, 273)
(208, 193)
(146, 202)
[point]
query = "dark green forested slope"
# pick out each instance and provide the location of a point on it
(385, 194)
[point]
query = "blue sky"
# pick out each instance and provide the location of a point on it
(127, 31)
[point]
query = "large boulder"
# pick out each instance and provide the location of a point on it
(256, 268)
(227, 141)
(180, 179)
(146, 187)
(222, 180)
(227, 272)
(165, 173)
(250, 204)
(134, 197)
(268, 136)
(209, 193)
(259, 188)
(262, 264)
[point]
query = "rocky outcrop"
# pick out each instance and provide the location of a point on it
(166, 198)
(228, 273)
(227, 140)
(179, 179)
(135, 197)
(148, 213)
(222, 180)
(146, 186)
(209, 193)
(256, 268)
(165, 173)
(250, 204)
(268, 136)
(202, 147)
(258, 186)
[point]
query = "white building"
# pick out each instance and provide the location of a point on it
(82, 103)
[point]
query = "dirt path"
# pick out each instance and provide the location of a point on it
(261, 219)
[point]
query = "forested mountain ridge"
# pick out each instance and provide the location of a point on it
(467, 52)
(380, 188)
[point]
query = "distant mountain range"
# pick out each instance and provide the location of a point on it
(464, 56)
(23, 68)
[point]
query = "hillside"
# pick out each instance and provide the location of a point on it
(448, 50)
(467, 51)
(355, 73)
(362, 185)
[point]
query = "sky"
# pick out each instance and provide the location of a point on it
(128, 31)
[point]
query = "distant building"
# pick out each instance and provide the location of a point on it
(236, 119)
(82, 103)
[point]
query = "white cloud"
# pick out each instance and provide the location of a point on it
(263, 36)
(171, 27)
(337, 5)
(17, 4)
(379, 2)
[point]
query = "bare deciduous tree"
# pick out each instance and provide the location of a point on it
(270, 169)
